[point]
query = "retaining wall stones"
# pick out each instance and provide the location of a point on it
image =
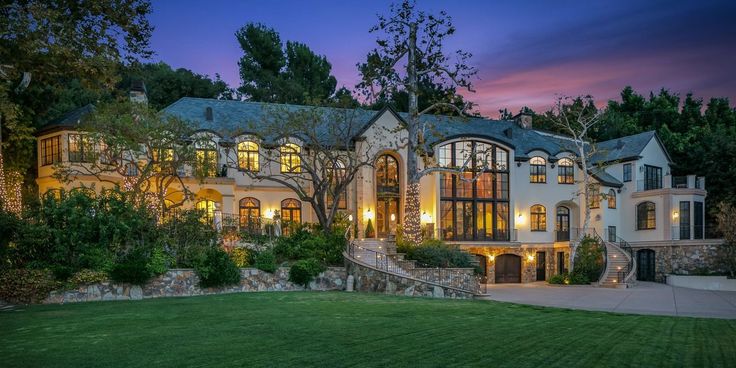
(684, 259)
(184, 282)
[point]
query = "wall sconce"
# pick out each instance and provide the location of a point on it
(368, 215)
(675, 215)
(269, 214)
(426, 218)
(520, 219)
(491, 258)
(530, 257)
(350, 217)
(393, 217)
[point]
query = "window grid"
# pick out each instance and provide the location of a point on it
(50, 150)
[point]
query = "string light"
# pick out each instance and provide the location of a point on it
(10, 189)
(412, 221)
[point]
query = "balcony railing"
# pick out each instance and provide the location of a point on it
(644, 185)
(688, 181)
(695, 232)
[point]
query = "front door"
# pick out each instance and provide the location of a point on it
(508, 268)
(541, 266)
(645, 264)
(387, 195)
(561, 263)
(386, 210)
(562, 227)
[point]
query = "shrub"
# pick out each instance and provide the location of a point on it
(26, 286)
(304, 271)
(436, 253)
(86, 277)
(240, 257)
(189, 238)
(579, 279)
(589, 262)
(305, 243)
(132, 268)
(266, 261)
(369, 231)
(557, 280)
(159, 262)
(217, 269)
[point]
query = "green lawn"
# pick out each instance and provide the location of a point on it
(331, 329)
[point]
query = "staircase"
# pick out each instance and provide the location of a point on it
(620, 265)
(382, 256)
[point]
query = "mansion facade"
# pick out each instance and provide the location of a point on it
(518, 214)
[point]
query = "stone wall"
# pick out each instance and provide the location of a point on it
(184, 282)
(528, 267)
(683, 259)
(370, 280)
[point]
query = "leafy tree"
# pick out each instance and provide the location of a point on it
(727, 226)
(411, 47)
(165, 85)
(270, 73)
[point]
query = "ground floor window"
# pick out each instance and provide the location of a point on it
(250, 215)
(291, 214)
(474, 220)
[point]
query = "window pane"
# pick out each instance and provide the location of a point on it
(502, 159)
(502, 186)
(446, 185)
(484, 186)
(465, 185)
(446, 220)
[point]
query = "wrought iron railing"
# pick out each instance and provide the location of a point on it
(441, 276)
(623, 274)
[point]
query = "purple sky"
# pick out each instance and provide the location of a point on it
(525, 53)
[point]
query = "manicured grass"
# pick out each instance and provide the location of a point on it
(341, 329)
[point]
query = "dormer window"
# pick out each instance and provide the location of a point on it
(537, 170)
(248, 156)
(291, 162)
(565, 171)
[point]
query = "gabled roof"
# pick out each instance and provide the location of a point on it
(626, 148)
(68, 120)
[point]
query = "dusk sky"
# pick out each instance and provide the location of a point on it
(525, 53)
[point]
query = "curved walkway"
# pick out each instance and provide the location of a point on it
(644, 298)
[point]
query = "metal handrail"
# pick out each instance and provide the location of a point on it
(440, 276)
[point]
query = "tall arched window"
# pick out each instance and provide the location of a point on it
(646, 216)
(291, 162)
(474, 205)
(250, 215)
(248, 156)
(206, 153)
(537, 170)
(595, 196)
(291, 214)
(538, 217)
(611, 199)
(336, 177)
(387, 194)
(565, 171)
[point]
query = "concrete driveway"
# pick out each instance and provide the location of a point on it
(645, 298)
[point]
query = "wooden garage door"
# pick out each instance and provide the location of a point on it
(508, 268)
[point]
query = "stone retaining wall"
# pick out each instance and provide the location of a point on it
(370, 280)
(683, 259)
(184, 282)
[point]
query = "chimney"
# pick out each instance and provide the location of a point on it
(524, 120)
(138, 92)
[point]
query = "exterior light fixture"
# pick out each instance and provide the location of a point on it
(426, 218)
(491, 258)
(393, 217)
(350, 218)
(675, 215)
(269, 214)
(368, 214)
(530, 257)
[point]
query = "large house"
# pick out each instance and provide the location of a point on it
(518, 216)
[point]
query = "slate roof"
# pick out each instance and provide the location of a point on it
(68, 120)
(624, 148)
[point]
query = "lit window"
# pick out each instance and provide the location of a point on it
(595, 196)
(611, 199)
(50, 150)
(291, 214)
(290, 160)
(162, 158)
(206, 155)
(80, 148)
(207, 207)
(537, 170)
(646, 216)
(250, 215)
(248, 158)
(565, 171)
(538, 217)
(336, 177)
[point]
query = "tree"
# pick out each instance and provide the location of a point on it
(143, 152)
(270, 73)
(310, 150)
(428, 93)
(46, 44)
(727, 226)
(411, 47)
(165, 85)
(577, 117)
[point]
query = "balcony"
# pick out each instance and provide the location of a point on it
(671, 182)
(694, 232)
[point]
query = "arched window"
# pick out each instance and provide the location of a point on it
(207, 207)
(291, 214)
(336, 177)
(595, 196)
(387, 194)
(248, 158)
(291, 162)
(646, 216)
(611, 199)
(537, 170)
(538, 218)
(474, 203)
(250, 215)
(206, 153)
(565, 171)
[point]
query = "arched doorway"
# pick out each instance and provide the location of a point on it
(250, 215)
(388, 195)
(562, 226)
(291, 214)
(645, 264)
(508, 268)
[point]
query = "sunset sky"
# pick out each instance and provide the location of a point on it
(525, 53)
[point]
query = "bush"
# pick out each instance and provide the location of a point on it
(589, 262)
(436, 253)
(557, 280)
(189, 238)
(304, 271)
(26, 286)
(266, 261)
(159, 262)
(217, 269)
(240, 257)
(86, 277)
(132, 269)
(569, 279)
(579, 279)
(305, 243)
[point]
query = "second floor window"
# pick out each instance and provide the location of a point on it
(206, 156)
(595, 196)
(291, 162)
(248, 156)
(537, 170)
(81, 148)
(611, 199)
(50, 150)
(646, 216)
(565, 171)
(627, 172)
(652, 177)
(337, 176)
(538, 217)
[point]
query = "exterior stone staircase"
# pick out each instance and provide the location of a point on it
(620, 267)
